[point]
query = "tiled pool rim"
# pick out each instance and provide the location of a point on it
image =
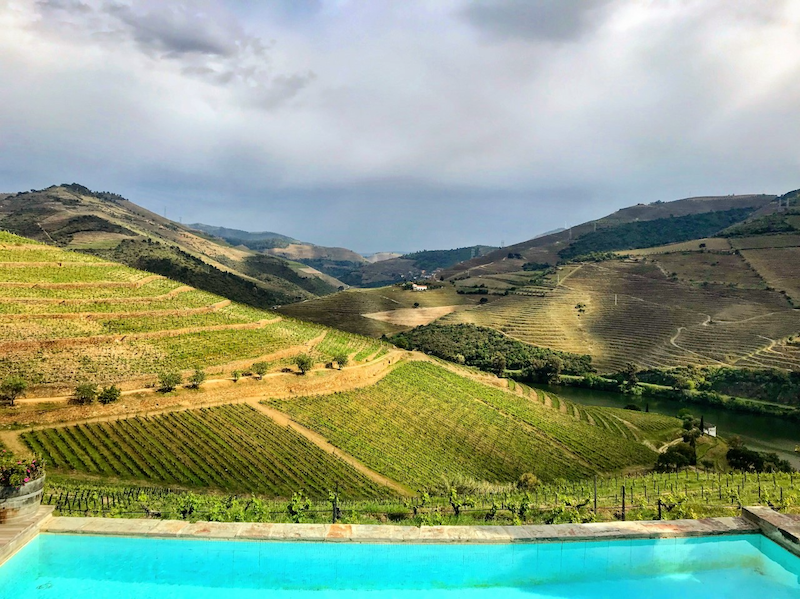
(785, 530)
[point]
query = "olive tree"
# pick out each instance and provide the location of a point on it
(13, 388)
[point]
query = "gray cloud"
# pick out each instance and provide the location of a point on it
(549, 20)
(394, 125)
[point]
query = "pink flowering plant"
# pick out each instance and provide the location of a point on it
(15, 472)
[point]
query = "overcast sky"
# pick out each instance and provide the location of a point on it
(400, 125)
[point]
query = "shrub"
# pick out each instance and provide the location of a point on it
(528, 482)
(341, 359)
(13, 388)
(169, 381)
(15, 472)
(236, 375)
(109, 395)
(85, 393)
(260, 368)
(304, 363)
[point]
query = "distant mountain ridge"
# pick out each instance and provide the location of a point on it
(106, 224)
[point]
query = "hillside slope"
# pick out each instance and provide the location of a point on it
(68, 318)
(547, 249)
(106, 224)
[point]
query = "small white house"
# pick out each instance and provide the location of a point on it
(711, 430)
(415, 287)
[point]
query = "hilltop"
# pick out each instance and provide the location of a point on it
(70, 319)
(110, 226)
(653, 219)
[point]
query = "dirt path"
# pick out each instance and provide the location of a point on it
(55, 264)
(283, 420)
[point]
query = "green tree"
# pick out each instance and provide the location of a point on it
(236, 375)
(260, 368)
(169, 381)
(304, 363)
(13, 388)
(85, 393)
(197, 378)
(499, 364)
(109, 395)
(341, 359)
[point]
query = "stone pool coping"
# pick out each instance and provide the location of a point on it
(362, 533)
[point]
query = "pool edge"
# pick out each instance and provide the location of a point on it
(14, 537)
(361, 533)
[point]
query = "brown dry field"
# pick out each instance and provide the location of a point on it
(413, 317)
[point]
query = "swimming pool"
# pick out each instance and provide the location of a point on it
(741, 566)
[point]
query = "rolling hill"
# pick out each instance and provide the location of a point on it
(548, 249)
(68, 319)
(109, 226)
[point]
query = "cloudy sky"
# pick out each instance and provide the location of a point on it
(400, 125)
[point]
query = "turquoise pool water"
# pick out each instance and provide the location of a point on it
(66, 566)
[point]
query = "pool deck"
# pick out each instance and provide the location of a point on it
(784, 529)
(14, 537)
(360, 533)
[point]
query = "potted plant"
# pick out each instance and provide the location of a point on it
(21, 487)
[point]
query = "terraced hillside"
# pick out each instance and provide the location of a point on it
(635, 312)
(67, 317)
(106, 224)
(422, 422)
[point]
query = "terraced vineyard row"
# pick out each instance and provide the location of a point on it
(85, 321)
(234, 448)
(630, 312)
(422, 422)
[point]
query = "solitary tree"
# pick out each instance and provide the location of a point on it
(304, 363)
(260, 368)
(197, 378)
(499, 364)
(169, 381)
(85, 393)
(13, 388)
(341, 359)
(109, 395)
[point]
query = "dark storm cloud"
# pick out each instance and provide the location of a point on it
(394, 125)
(550, 20)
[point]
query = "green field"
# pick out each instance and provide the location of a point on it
(235, 448)
(423, 422)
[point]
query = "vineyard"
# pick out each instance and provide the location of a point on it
(235, 448)
(422, 422)
(66, 317)
(666, 496)
(630, 312)
(779, 267)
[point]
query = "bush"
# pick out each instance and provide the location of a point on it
(109, 395)
(15, 472)
(304, 363)
(528, 482)
(85, 393)
(13, 388)
(169, 381)
(341, 359)
(236, 375)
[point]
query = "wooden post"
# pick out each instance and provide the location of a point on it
(659, 508)
(623, 502)
(595, 493)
